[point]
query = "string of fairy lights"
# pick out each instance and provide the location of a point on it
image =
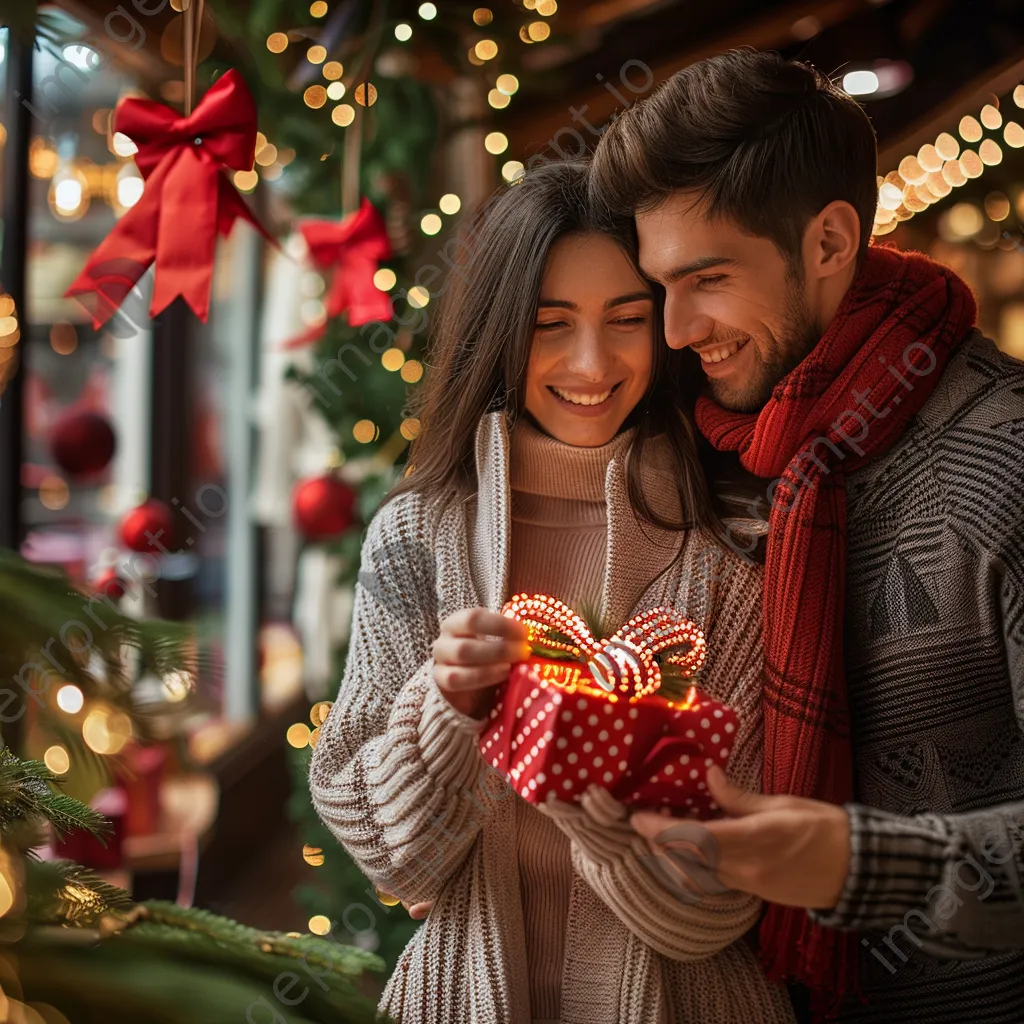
(937, 168)
(332, 94)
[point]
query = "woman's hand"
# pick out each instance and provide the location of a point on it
(473, 654)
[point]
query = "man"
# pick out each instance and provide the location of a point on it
(889, 434)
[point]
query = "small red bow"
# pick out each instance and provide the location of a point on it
(187, 200)
(624, 661)
(354, 246)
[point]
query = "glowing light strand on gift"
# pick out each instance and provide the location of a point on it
(923, 178)
(625, 661)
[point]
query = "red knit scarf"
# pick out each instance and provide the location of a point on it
(846, 403)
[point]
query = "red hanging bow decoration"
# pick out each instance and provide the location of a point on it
(354, 246)
(187, 200)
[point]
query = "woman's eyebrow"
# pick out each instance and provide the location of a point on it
(631, 297)
(556, 304)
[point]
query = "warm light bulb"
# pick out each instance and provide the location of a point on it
(315, 96)
(486, 49)
(365, 431)
(298, 735)
(430, 224)
(403, 32)
(245, 181)
(122, 145)
(928, 157)
(333, 70)
(343, 115)
(860, 83)
(335, 91)
(990, 152)
(68, 195)
(412, 371)
(316, 54)
(513, 170)
(410, 428)
(495, 143)
(129, 189)
(546, 8)
(418, 296)
(507, 84)
(990, 117)
(889, 196)
(970, 130)
(318, 923)
(392, 359)
(365, 94)
(498, 99)
(277, 42)
(427, 12)
(450, 203)
(385, 279)
(947, 147)
(538, 31)
(70, 699)
(318, 9)
(482, 16)
(57, 760)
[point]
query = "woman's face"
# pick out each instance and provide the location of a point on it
(593, 344)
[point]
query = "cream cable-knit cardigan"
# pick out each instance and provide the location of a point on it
(397, 777)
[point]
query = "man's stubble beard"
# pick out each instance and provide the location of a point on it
(800, 332)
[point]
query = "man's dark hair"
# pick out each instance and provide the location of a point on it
(765, 142)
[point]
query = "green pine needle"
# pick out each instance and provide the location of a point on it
(27, 792)
(62, 892)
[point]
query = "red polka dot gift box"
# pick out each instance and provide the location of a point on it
(586, 711)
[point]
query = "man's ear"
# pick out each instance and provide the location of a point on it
(832, 240)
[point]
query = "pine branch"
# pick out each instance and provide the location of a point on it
(62, 892)
(69, 815)
(27, 793)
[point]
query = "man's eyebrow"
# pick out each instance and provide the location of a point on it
(702, 263)
(631, 297)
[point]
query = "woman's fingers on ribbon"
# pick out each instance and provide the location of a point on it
(476, 622)
(454, 679)
(418, 911)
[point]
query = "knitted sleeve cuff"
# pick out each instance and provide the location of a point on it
(448, 742)
(895, 862)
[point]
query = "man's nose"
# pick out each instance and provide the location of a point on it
(684, 326)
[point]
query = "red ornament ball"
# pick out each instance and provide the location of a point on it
(323, 507)
(152, 517)
(82, 443)
(110, 584)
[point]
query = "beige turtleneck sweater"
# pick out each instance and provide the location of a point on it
(559, 544)
(398, 778)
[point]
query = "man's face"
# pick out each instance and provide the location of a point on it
(729, 296)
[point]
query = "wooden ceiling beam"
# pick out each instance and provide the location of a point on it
(536, 124)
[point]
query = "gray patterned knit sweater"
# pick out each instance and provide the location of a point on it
(935, 666)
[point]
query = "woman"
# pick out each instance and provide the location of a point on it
(553, 457)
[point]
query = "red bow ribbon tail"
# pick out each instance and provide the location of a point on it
(186, 202)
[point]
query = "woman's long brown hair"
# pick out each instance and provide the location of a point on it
(482, 338)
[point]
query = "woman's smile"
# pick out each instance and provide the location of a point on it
(585, 402)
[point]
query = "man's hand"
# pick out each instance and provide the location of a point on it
(473, 654)
(785, 849)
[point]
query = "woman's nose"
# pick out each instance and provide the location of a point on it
(588, 357)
